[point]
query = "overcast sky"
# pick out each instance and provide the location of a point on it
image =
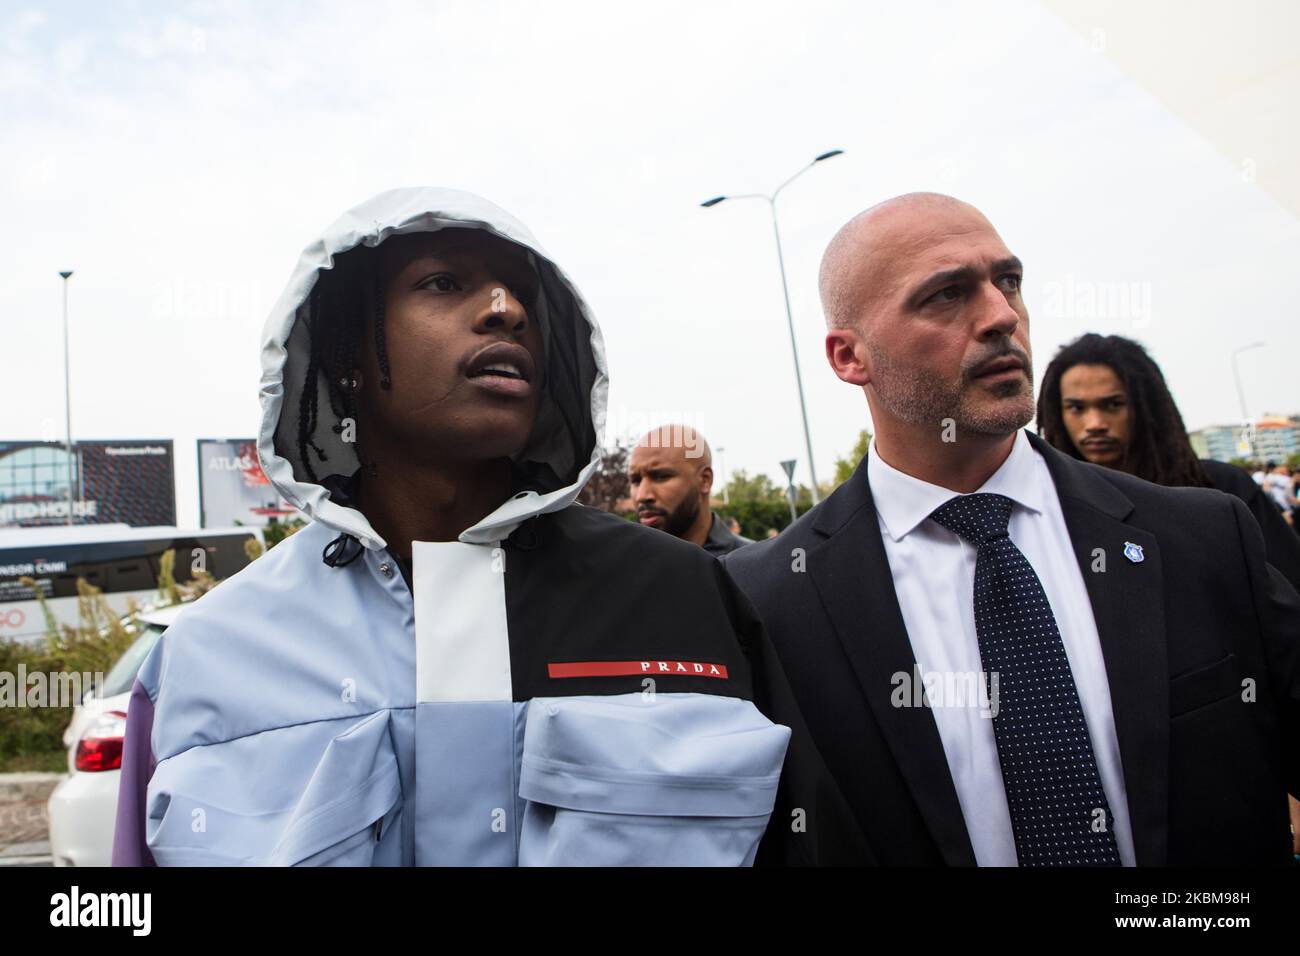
(179, 156)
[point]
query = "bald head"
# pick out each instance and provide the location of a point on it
(678, 442)
(860, 264)
(923, 304)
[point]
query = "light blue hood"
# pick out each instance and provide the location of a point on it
(571, 416)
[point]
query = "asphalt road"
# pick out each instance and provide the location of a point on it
(24, 834)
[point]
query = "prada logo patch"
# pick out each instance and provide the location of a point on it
(630, 668)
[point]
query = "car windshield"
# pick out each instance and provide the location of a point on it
(122, 676)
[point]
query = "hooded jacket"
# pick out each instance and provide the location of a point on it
(557, 686)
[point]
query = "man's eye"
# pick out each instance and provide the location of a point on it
(947, 294)
(1010, 282)
(442, 282)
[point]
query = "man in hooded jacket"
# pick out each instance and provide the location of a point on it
(444, 666)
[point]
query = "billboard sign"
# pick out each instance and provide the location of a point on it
(233, 489)
(130, 482)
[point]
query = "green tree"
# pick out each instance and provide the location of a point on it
(759, 504)
(741, 487)
(609, 488)
(844, 467)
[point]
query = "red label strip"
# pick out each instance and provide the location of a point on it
(629, 668)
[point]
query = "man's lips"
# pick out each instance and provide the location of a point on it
(650, 517)
(1001, 366)
(503, 367)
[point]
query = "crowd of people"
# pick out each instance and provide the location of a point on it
(988, 646)
(1282, 484)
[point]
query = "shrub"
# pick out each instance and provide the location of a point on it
(32, 737)
(91, 647)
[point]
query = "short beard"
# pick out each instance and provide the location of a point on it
(910, 395)
(678, 521)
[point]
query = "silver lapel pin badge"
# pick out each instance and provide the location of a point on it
(1134, 552)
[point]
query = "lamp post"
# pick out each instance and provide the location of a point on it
(67, 389)
(1241, 395)
(785, 289)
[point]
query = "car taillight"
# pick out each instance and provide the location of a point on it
(100, 747)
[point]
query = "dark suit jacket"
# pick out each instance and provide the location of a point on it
(1206, 772)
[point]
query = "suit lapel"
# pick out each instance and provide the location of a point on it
(1128, 605)
(852, 577)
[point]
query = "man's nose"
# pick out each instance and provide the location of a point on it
(1094, 421)
(500, 310)
(996, 318)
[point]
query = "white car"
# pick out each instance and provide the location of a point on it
(83, 807)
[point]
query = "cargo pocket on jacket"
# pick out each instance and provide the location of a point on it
(347, 832)
(330, 810)
(688, 780)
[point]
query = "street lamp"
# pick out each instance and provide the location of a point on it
(1241, 395)
(67, 389)
(785, 289)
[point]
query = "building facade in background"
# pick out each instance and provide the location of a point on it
(130, 482)
(1272, 438)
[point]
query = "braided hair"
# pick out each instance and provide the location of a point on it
(346, 302)
(1158, 448)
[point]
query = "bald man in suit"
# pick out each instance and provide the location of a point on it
(1137, 661)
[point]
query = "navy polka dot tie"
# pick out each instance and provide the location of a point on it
(1059, 813)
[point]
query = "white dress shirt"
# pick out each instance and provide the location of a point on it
(934, 577)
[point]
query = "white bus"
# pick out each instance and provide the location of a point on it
(122, 562)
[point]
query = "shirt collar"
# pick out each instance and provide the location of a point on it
(903, 502)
